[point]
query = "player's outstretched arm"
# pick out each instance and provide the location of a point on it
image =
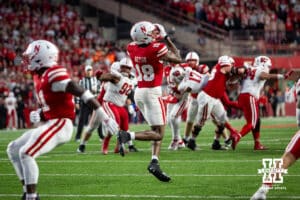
(267, 76)
(110, 77)
(98, 115)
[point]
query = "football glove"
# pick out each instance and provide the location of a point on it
(35, 116)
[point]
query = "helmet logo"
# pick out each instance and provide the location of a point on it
(263, 59)
(143, 29)
(36, 49)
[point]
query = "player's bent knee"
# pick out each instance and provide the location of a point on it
(12, 151)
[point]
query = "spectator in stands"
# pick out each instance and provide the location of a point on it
(20, 112)
(2, 114)
(263, 103)
(11, 105)
(280, 109)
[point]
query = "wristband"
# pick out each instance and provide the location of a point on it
(166, 37)
(280, 76)
(87, 95)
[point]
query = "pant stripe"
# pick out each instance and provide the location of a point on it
(42, 137)
(204, 115)
(49, 137)
(108, 110)
(162, 106)
(293, 141)
(253, 111)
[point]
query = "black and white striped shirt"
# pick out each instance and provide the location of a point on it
(91, 84)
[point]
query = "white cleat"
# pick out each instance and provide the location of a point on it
(173, 145)
(261, 193)
(181, 144)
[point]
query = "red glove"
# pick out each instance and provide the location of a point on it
(288, 74)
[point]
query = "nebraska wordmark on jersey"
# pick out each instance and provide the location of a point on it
(147, 64)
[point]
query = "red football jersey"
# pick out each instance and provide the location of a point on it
(147, 64)
(216, 86)
(54, 104)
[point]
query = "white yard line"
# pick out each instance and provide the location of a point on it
(116, 196)
(147, 174)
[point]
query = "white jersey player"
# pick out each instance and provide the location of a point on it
(248, 98)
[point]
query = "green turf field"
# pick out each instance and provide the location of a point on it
(203, 174)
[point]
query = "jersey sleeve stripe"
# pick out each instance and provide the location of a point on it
(57, 70)
(162, 49)
(162, 52)
(62, 75)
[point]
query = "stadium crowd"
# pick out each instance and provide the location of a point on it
(82, 44)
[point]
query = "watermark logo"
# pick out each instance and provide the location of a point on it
(272, 171)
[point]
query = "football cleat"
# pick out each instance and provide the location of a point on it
(261, 193)
(185, 140)
(81, 148)
(173, 145)
(181, 144)
(259, 146)
(192, 144)
(154, 169)
(123, 137)
(228, 143)
(216, 145)
(132, 148)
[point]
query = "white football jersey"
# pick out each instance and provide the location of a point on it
(193, 80)
(252, 84)
(117, 93)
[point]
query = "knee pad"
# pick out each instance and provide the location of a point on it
(257, 126)
(196, 130)
(220, 129)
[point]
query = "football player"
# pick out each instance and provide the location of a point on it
(248, 99)
(209, 100)
(117, 86)
(147, 53)
(192, 61)
(176, 104)
(55, 90)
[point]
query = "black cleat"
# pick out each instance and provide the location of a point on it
(154, 169)
(132, 148)
(185, 140)
(81, 148)
(192, 144)
(217, 146)
(123, 137)
(24, 197)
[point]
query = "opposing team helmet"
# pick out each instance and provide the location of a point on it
(262, 61)
(177, 74)
(141, 32)
(126, 62)
(192, 56)
(40, 53)
(225, 60)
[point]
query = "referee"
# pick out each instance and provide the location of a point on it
(89, 82)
